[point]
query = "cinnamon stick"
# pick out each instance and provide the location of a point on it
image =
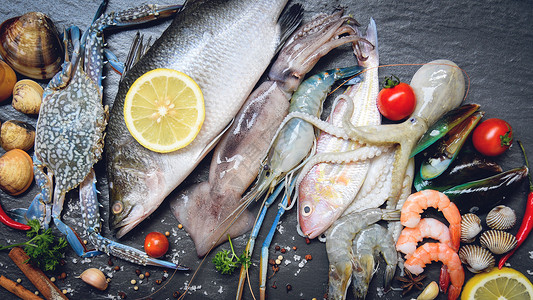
(17, 289)
(47, 288)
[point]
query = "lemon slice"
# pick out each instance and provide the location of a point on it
(498, 284)
(164, 110)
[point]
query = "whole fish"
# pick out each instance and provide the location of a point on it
(328, 188)
(225, 46)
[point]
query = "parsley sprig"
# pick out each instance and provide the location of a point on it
(43, 248)
(226, 262)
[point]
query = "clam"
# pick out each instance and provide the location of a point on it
(30, 44)
(497, 241)
(470, 227)
(501, 218)
(16, 172)
(7, 80)
(27, 97)
(17, 135)
(476, 259)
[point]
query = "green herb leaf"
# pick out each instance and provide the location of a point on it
(226, 262)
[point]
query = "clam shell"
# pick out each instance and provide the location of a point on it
(7, 80)
(16, 172)
(17, 135)
(27, 97)
(497, 241)
(476, 259)
(501, 218)
(30, 44)
(470, 227)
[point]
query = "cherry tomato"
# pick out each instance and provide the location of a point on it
(155, 244)
(492, 137)
(396, 101)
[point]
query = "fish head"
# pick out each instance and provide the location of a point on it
(317, 209)
(134, 194)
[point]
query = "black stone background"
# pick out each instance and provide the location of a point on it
(491, 40)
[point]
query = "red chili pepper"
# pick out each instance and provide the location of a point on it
(527, 221)
(4, 218)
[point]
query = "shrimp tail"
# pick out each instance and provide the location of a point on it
(454, 292)
(444, 279)
(391, 215)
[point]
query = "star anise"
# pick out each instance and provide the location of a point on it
(411, 281)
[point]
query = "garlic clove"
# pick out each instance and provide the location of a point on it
(95, 278)
(430, 292)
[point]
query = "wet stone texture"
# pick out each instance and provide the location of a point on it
(490, 40)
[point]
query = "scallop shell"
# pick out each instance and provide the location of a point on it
(501, 218)
(27, 97)
(16, 172)
(30, 44)
(476, 259)
(470, 227)
(7, 80)
(497, 241)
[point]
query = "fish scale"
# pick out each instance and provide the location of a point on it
(331, 187)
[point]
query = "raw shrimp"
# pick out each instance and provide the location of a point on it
(371, 240)
(295, 137)
(418, 202)
(339, 239)
(439, 252)
(426, 228)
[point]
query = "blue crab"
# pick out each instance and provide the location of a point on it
(70, 134)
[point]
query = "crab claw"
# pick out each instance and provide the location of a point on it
(447, 148)
(443, 126)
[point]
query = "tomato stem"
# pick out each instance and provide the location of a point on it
(391, 82)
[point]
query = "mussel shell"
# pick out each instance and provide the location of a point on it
(497, 241)
(501, 218)
(16, 172)
(447, 148)
(30, 44)
(476, 259)
(470, 227)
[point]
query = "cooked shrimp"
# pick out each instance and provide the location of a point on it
(426, 228)
(418, 202)
(439, 252)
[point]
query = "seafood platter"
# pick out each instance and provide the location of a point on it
(276, 160)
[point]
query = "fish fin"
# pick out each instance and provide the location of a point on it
(137, 50)
(289, 20)
(215, 141)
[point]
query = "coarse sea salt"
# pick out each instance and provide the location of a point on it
(531, 254)
(220, 290)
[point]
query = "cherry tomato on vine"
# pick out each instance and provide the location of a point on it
(155, 244)
(396, 101)
(492, 137)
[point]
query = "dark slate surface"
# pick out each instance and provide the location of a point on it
(490, 40)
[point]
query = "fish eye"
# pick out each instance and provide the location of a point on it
(117, 208)
(306, 210)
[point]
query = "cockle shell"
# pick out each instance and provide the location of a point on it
(16, 172)
(501, 218)
(476, 259)
(30, 44)
(27, 97)
(497, 241)
(470, 227)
